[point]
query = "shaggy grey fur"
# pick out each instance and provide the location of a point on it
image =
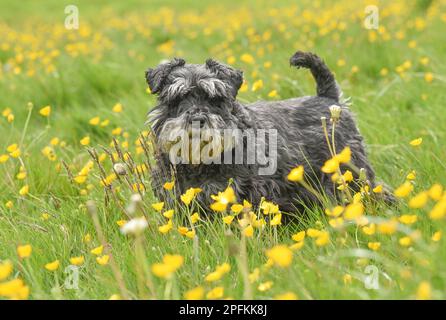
(207, 93)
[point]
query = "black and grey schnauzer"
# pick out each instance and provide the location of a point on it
(207, 94)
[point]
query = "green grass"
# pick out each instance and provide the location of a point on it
(118, 41)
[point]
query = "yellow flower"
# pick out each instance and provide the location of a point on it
(336, 222)
(9, 204)
(168, 214)
(105, 123)
(281, 255)
(194, 294)
(335, 212)
(435, 192)
(5, 269)
(378, 189)
(189, 195)
(103, 260)
(412, 175)
(85, 141)
(424, 291)
(297, 245)
(348, 176)
(439, 210)
(190, 234)
(374, 245)
(257, 85)
(169, 185)
(388, 227)
(115, 297)
(344, 156)
(117, 108)
(117, 131)
(286, 296)
(54, 141)
(403, 190)
(158, 206)
(297, 174)
(416, 142)
(15, 153)
(405, 241)
(247, 58)
(428, 77)
(77, 261)
(168, 266)
(313, 233)
(87, 238)
(254, 275)
(45, 111)
(218, 206)
(276, 220)
(228, 219)
(436, 236)
(165, 228)
(14, 289)
(330, 166)
(269, 207)
(6, 112)
(52, 266)
(80, 179)
(225, 197)
(354, 211)
(215, 293)
(194, 218)
(121, 223)
(265, 286)
(237, 208)
(24, 190)
(13, 147)
(298, 236)
(97, 251)
(247, 205)
(183, 230)
(219, 272)
(347, 279)
(248, 231)
(272, 94)
(323, 239)
(94, 121)
(3, 158)
(408, 218)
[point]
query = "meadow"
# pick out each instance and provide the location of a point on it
(78, 219)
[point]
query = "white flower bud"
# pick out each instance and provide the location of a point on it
(120, 168)
(135, 226)
(335, 112)
(136, 198)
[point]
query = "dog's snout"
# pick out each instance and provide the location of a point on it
(200, 118)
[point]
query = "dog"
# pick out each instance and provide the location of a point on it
(206, 94)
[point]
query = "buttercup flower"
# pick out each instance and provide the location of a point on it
(281, 255)
(194, 294)
(52, 266)
(297, 174)
(24, 251)
(45, 111)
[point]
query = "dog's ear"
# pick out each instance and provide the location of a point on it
(231, 76)
(156, 77)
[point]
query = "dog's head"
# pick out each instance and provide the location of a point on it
(194, 94)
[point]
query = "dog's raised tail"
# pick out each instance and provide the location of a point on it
(325, 80)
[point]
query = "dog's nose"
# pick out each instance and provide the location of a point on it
(201, 119)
